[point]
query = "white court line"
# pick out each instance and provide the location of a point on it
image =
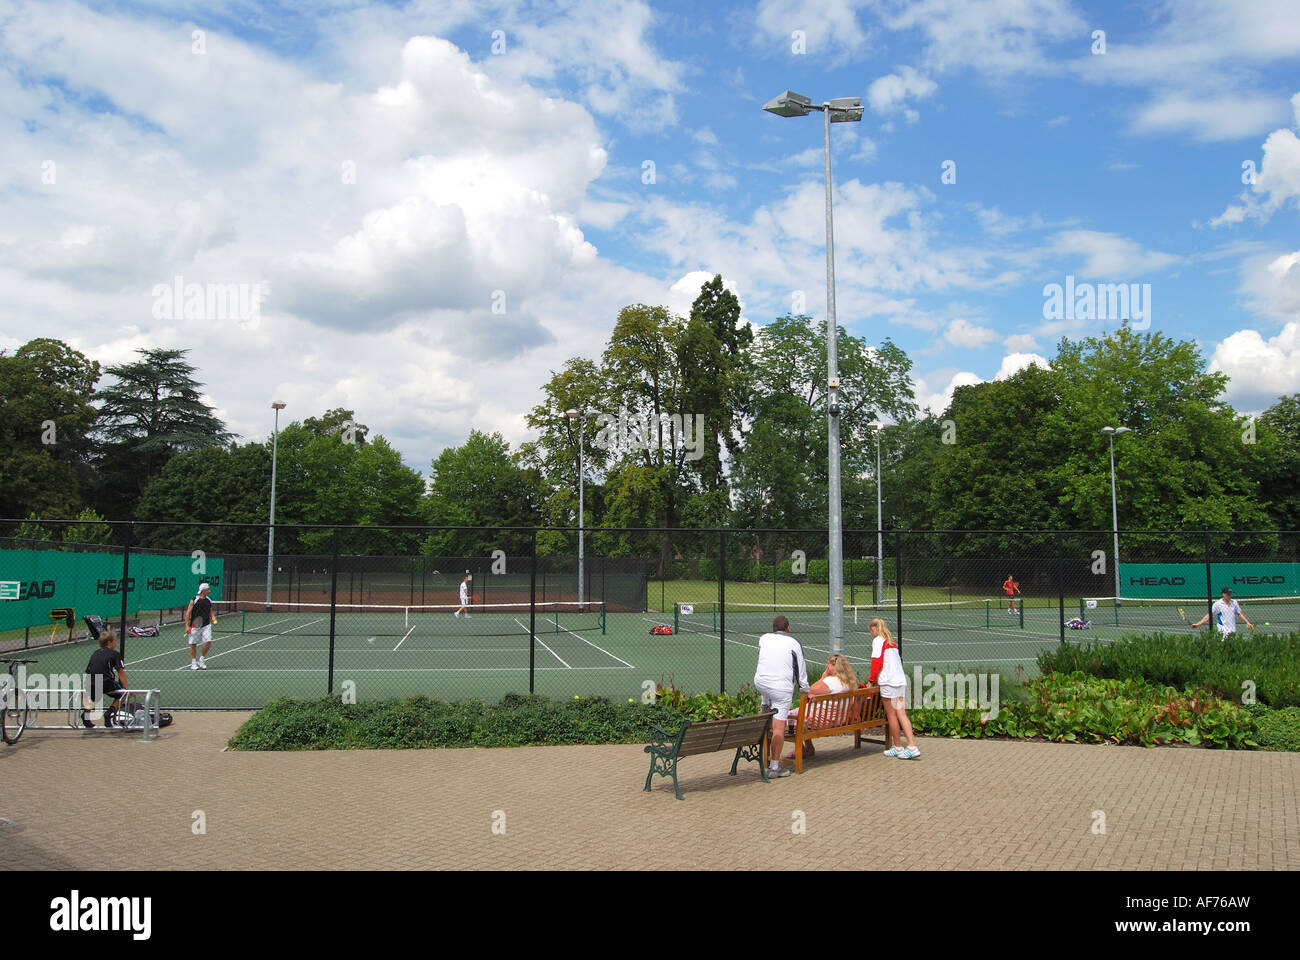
(257, 641)
(403, 640)
(543, 643)
(390, 669)
(169, 653)
(590, 644)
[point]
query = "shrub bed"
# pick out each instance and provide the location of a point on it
(1266, 664)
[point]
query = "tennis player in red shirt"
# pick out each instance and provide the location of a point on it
(1011, 588)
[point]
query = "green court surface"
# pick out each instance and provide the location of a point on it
(256, 657)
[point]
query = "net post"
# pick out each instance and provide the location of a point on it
(1060, 581)
(603, 611)
(334, 597)
(532, 615)
(1021, 607)
(126, 574)
(677, 622)
(722, 611)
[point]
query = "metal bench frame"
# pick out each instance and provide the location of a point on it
(748, 735)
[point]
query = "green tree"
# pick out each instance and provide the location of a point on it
(45, 421)
(780, 475)
(553, 456)
(148, 415)
(479, 484)
(210, 485)
(1278, 461)
(643, 370)
(715, 373)
(1185, 465)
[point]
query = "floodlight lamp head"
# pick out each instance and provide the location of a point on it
(277, 406)
(1123, 430)
(1108, 430)
(789, 104)
(571, 414)
(845, 109)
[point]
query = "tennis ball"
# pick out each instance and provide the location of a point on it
(1266, 623)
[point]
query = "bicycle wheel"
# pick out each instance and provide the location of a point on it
(13, 717)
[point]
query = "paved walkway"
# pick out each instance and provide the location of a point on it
(965, 804)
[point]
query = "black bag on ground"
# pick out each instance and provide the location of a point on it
(95, 625)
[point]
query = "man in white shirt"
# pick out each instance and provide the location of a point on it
(1225, 612)
(780, 667)
(464, 596)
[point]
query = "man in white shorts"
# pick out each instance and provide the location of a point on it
(1225, 612)
(199, 618)
(464, 596)
(780, 666)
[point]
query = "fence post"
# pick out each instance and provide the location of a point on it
(532, 615)
(853, 595)
(126, 586)
(722, 611)
(898, 586)
(1060, 579)
(334, 596)
(1209, 582)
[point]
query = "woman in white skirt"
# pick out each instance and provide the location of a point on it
(887, 670)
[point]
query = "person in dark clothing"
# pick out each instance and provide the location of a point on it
(106, 679)
(199, 619)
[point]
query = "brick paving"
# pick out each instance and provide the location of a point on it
(965, 804)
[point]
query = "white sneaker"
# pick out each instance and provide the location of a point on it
(203, 664)
(911, 753)
(194, 664)
(892, 752)
(457, 613)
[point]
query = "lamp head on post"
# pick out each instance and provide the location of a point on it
(278, 406)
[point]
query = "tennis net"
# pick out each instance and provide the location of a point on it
(706, 616)
(381, 620)
(1161, 613)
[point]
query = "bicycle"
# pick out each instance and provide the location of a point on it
(13, 701)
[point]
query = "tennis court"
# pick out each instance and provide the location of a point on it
(571, 649)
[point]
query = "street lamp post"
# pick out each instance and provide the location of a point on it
(1114, 432)
(581, 417)
(839, 110)
(270, 537)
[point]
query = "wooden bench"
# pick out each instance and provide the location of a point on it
(852, 711)
(749, 736)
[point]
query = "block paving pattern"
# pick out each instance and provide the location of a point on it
(965, 804)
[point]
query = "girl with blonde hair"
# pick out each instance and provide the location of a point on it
(887, 670)
(837, 677)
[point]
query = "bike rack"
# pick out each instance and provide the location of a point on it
(74, 708)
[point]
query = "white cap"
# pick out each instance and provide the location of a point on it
(204, 586)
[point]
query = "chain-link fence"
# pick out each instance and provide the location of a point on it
(455, 613)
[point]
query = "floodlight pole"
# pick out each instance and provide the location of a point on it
(582, 422)
(1112, 432)
(833, 416)
(844, 109)
(880, 526)
(270, 537)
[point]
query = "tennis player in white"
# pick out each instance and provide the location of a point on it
(780, 666)
(464, 597)
(199, 618)
(1225, 612)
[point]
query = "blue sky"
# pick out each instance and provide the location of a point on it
(437, 204)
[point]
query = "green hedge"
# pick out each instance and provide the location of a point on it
(1268, 664)
(414, 722)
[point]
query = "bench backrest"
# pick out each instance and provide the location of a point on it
(715, 735)
(861, 705)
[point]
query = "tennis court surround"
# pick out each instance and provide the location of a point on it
(392, 628)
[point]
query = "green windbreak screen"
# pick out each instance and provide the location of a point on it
(34, 582)
(1142, 580)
